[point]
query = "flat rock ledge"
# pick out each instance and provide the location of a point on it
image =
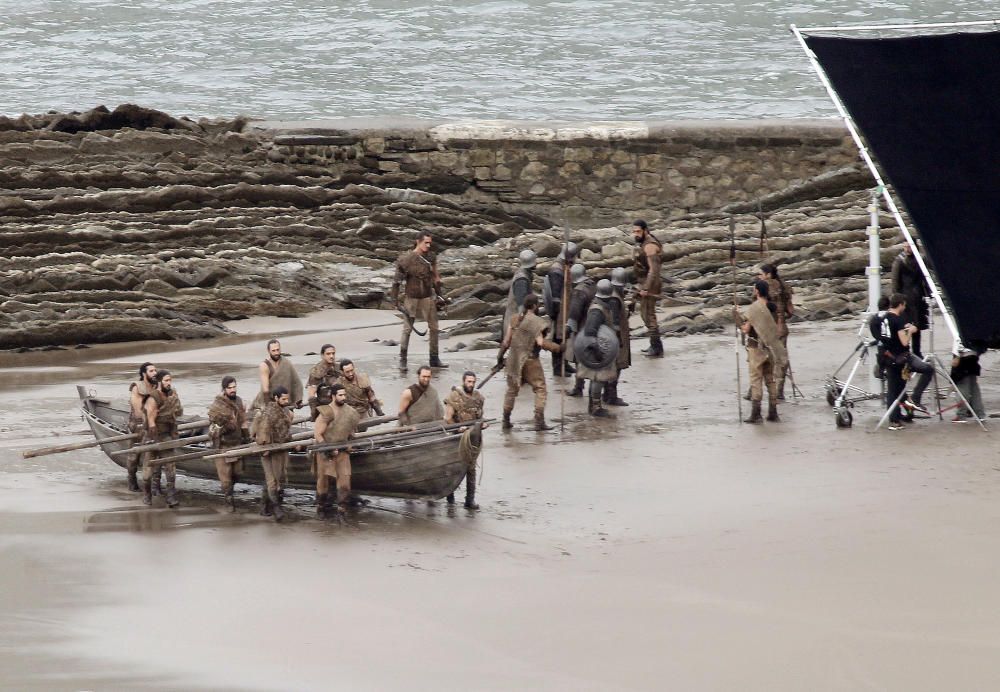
(128, 225)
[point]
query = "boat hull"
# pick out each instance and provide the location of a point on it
(427, 467)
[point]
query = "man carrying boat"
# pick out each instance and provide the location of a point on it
(277, 371)
(420, 402)
(230, 428)
(162, 408)
(337, 422)
(138, 392)
(273, 426)
(462, 405)
(525, 338)
(417, 269)
(358, 387)
(326, 371)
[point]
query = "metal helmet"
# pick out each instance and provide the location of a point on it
(604, 288)
(578, 273)
(569, 251)
(618, 276)
(528, 259)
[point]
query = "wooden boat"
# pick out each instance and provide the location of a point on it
(422, 467)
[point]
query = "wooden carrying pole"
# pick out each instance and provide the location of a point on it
(59, 449)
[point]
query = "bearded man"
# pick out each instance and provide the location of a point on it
(163, 408)
(462, 405)
(337, 422)
(358, 388)
(138, 392)
(230, 428)
(420, 402)
(277, 371)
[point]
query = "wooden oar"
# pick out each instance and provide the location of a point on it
(166, 444)
(59, 449)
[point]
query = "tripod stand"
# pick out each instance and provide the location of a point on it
(939, 371)
(843, 394)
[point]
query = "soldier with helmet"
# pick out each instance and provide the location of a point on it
(583, 292)
(520, 286)
(596, 348)
(620, 314)
(552, 293)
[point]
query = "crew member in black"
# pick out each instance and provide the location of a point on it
(896, 332)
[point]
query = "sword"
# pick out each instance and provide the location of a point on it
(493, 371)
(410, 319)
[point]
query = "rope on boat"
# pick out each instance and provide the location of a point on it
(469, 452)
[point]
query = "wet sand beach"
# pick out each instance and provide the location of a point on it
(668, 548)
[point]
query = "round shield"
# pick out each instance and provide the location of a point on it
(596, 352)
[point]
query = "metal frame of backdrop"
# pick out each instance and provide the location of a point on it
(890, 202)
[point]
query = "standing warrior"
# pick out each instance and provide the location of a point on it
(526, 338)
(465, 404)
(273, 426)
(647, 260)
(420, 402)
(620, 315)
(230, 429)
(326, 371)
(358, 388)
(163, 408)
(765, 352)
(584, 290)
(277, 371)
(596, 348)
(552, 293)
(418, 269)
(520, 286)
(336, 422)
(781, 296)
(138, 392)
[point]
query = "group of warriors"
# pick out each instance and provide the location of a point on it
(582, 323)
(340, 399)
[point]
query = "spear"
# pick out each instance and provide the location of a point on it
(563, 310)
(59, 449)
(736, 327)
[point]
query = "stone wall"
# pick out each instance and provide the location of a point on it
(577, 174)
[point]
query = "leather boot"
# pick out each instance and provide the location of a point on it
(265, 498)
(322, 505)
(781, 390)
(436, 362)
(227, 496)
(772, 411)
(595, 409)
(133, 481)
(402, 360)
(540, 423)
(172, 500)
(754, 414)
(561, 367)
(451, 498)
(577, 388)
(507, 425)
(279, 513)
(655, 349)
(611, 395)
(147, 492)
(157, 486)
(748, 396)
(470, 490)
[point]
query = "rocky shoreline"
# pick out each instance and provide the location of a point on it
(130, 224)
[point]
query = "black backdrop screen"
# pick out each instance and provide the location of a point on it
(929, 107)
